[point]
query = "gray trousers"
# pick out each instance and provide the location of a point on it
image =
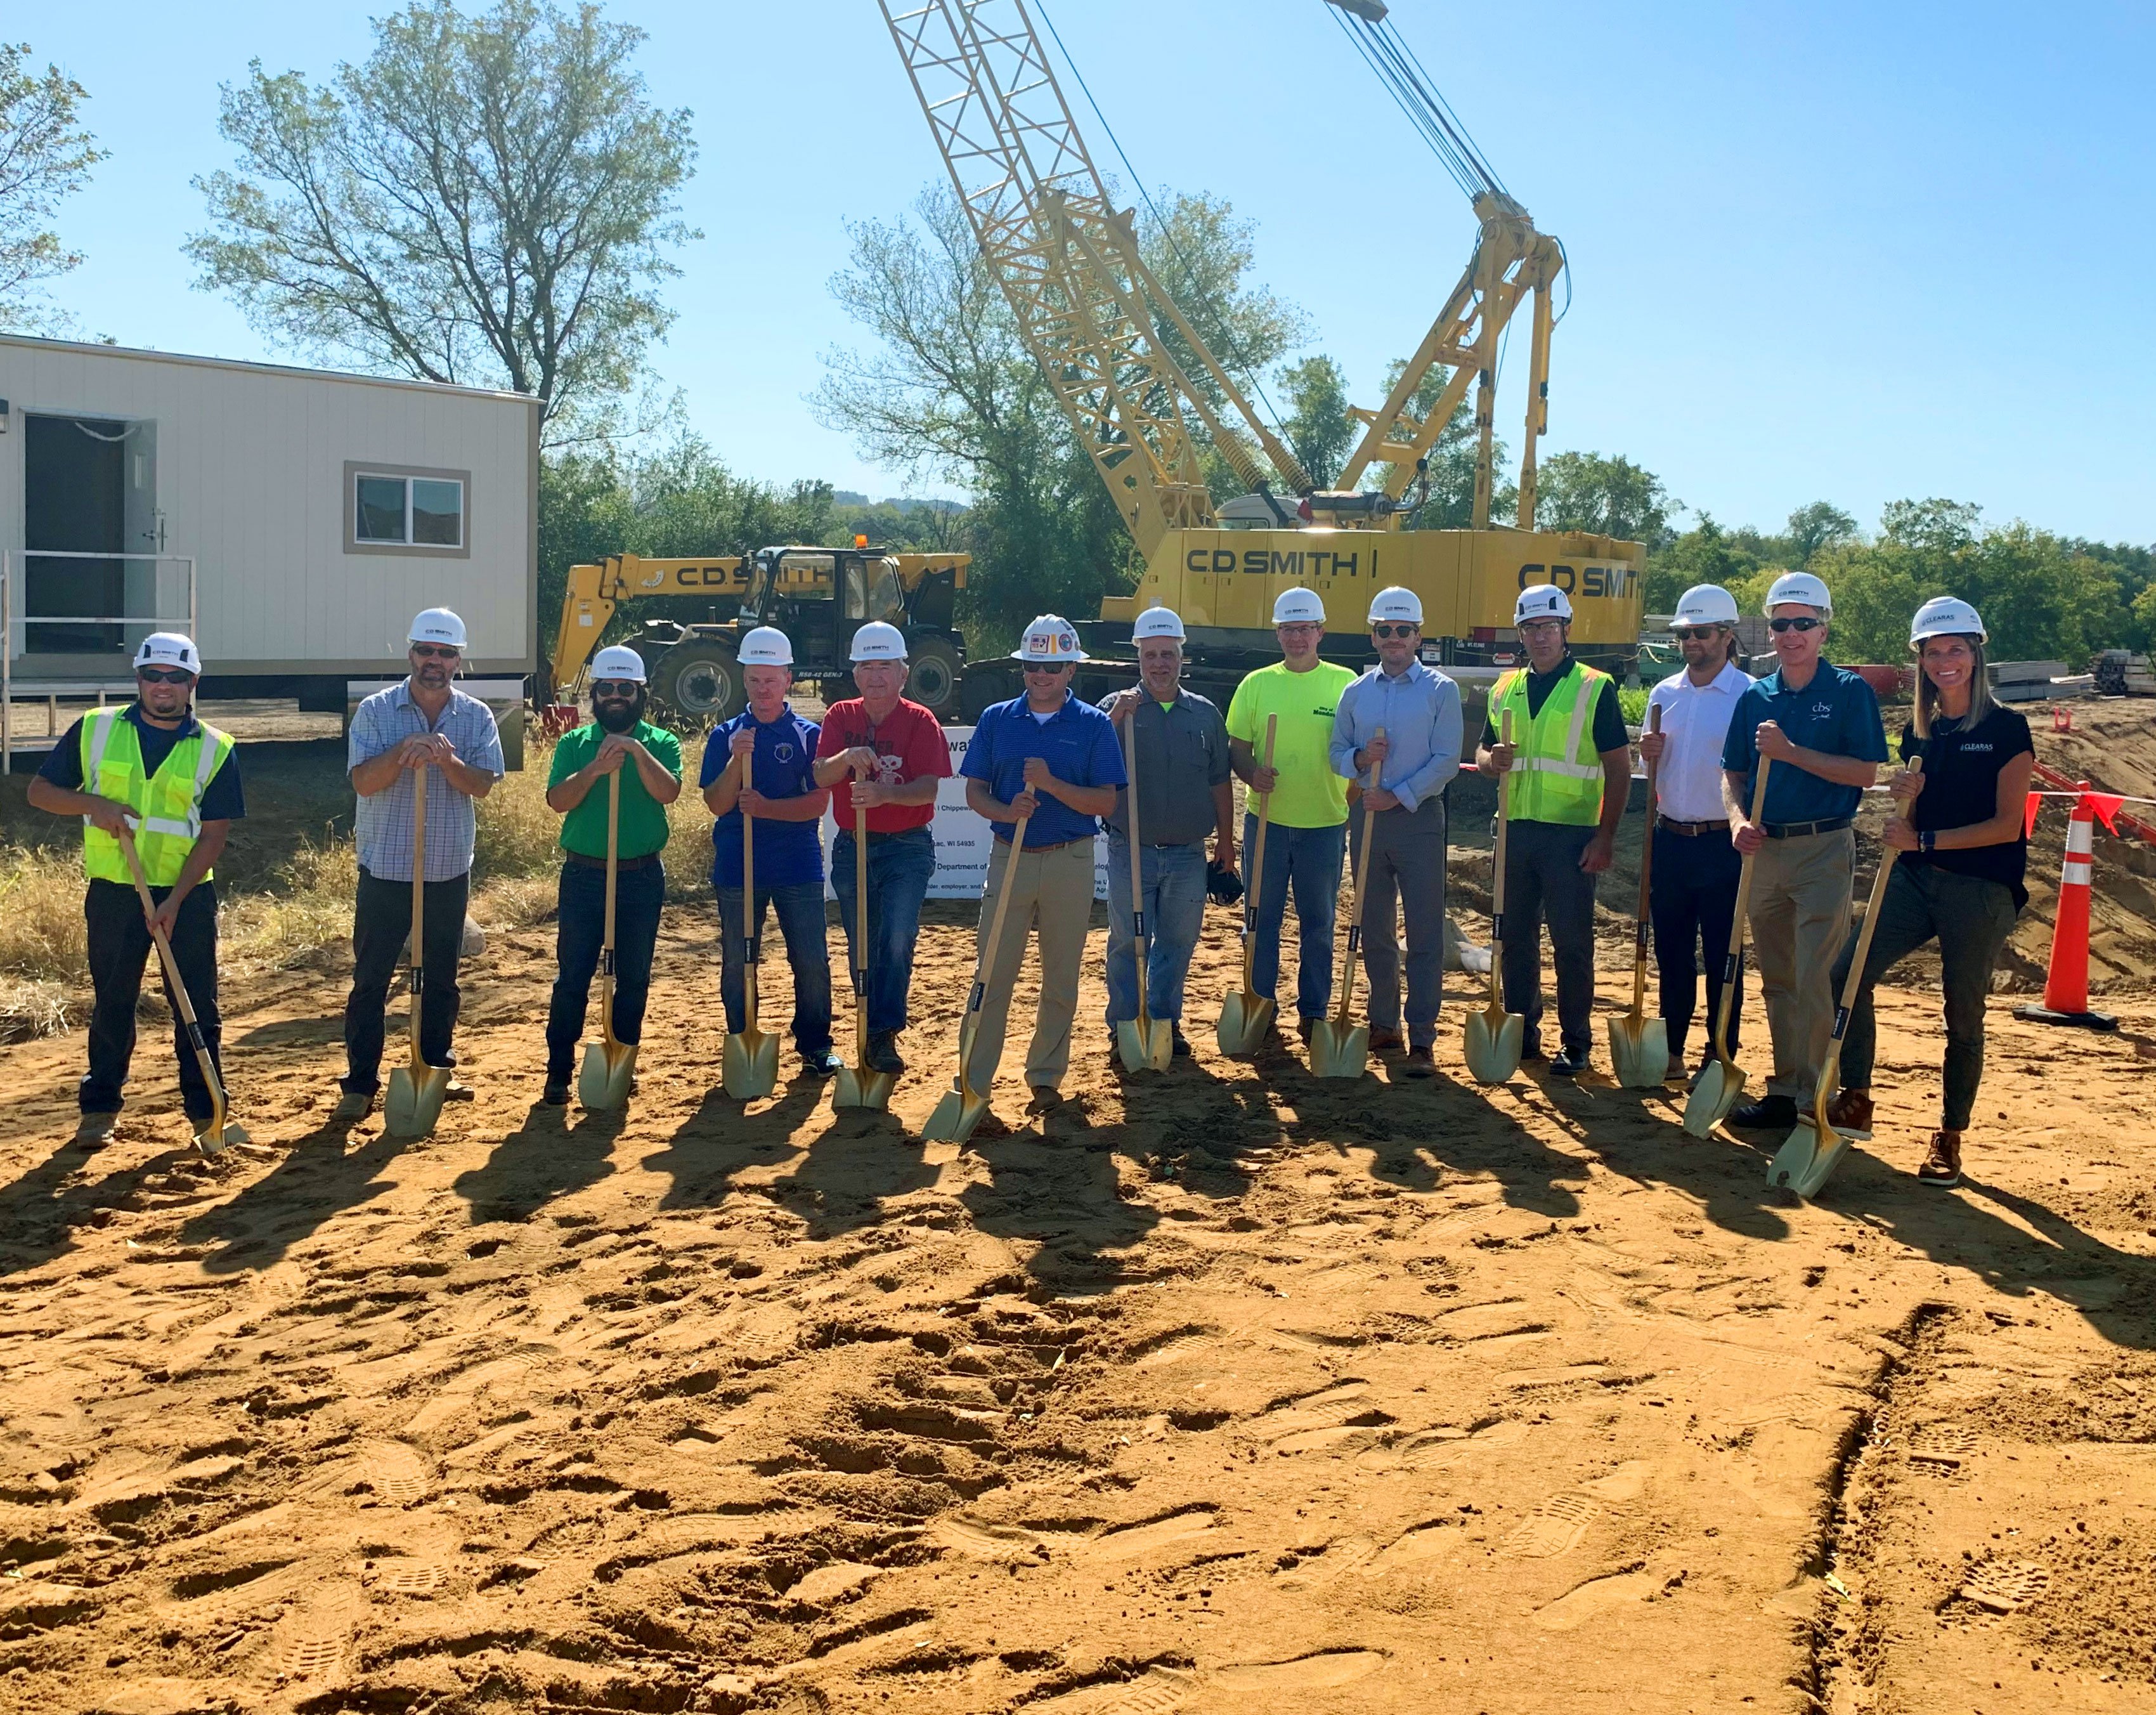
(1407, 870)
(1970, 918)
(1543, 881)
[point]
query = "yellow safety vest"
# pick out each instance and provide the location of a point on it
(168, 802)
(1557, 773)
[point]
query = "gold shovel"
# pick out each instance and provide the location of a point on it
(963, 1106)
(417, 1090)
(1246, 1016)
(1337, 1048)
(610, 1063)
(857, 1087)
(1496, 1037)
(1639, 1045)
(1144, 1042)
(220, 1131)
(1722, 1079)
(1815, 1149)
(751, 1058)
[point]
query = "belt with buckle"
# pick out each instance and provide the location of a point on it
(1798, 830)
(1690, 830)
(1057, 845)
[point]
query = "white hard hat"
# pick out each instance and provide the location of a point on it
(879, 641)
(767, 646)
(1802, 588)
(1158, 622)
(618, 661)
(1946, 616)
(1051, 639)
(1396, 605)
(1542, 601)
(168, 649)
(1706, 604)
(437, 625)
(1298, 607)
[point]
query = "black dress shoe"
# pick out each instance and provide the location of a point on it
(883, 1052)
(1570, 1062)
(556, 1094)
(1179, 1043)
(1769, 1113)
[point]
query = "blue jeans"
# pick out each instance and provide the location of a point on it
(1309, 859)
(801, 923)
(901, 867)
(1174, 878)
(580, 935)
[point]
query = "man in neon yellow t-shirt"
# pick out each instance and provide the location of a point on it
(1307, 839)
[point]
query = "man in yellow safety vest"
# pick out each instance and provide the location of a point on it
(1569, 770)
(175, 782)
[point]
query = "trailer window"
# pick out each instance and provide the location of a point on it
(406, 510)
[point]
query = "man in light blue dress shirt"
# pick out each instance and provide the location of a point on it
(1404, 775)
(421, 734)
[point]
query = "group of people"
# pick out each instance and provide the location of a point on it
(1310, 739)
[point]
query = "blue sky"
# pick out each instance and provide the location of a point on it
(1820, 250)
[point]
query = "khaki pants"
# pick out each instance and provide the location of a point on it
(1055, 895)
(1799, 910)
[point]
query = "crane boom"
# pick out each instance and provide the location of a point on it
(1068, 263)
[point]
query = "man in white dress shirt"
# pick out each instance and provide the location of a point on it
(1695, 864)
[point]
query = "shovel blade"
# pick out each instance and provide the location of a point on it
(1244, 1018)
(1144, 1045)
(1493, 1043)
(413, 1100)
(1639, 1051)
(1721, 1082)
(751, 1065)
(219, 1135)
(603, 1080)
(859, 1087)
(955, 1116)
(1338, 1050)
(1805, 1160)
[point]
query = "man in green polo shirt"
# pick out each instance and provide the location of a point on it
(1306, 839)
(617, 735)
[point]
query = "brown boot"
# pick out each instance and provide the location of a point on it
(1385, 1042)
(1943, 1162)
(1850, 1113)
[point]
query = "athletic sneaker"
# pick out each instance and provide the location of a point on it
(1943, 1163)
(1769, 1113)
(96, 1128)
(824, 1063)
(1850, 1113)
(353, 1104)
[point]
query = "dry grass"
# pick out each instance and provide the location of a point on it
(306, 912)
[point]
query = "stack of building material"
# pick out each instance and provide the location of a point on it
(2030, 681)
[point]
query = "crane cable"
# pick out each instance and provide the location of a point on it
(1225, 330)
(1387, 54)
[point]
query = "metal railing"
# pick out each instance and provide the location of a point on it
(155, 619)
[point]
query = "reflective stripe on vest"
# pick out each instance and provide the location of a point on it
(167, 804)
(1557, 774)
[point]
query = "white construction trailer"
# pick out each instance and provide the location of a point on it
(291, 521)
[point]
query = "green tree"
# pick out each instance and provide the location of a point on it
(1704, 554)
(45, 156)
(1607, 496)
(1320, 429)
(1815, 527)
(489, 199)
(948, 390)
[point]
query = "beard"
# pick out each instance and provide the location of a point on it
(617, 717)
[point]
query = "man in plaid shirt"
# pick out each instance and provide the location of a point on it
(423, 732)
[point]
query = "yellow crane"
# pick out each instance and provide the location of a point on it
(1092, 314)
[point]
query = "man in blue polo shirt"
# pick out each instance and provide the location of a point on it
(1050, 758)
(788, 807)
(1819, 725)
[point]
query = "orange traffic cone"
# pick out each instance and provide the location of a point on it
(2066, 988)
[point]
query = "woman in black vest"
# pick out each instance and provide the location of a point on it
(1964, 846)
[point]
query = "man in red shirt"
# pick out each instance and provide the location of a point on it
(890, 754)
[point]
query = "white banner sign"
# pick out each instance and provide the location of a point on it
(963, 838)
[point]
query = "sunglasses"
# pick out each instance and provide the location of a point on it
(164, 676)
(1806, 623)
(1693, 633)
(1389, 632)
(435, 651)
(1047, 667)
(625, 689)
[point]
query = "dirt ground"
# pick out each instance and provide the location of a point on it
(1227, 1390)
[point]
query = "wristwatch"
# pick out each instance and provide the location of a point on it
(1926, 840)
